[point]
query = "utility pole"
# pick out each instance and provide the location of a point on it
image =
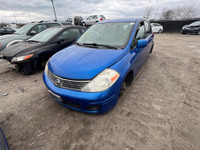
(54, 10)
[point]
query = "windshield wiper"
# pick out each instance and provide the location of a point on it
(103, 45)
(79, 44)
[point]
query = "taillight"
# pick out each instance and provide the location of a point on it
(101, 19)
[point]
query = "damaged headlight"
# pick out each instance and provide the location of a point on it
(102, 81)
(21, 58)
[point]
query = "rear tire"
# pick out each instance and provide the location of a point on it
(84, 24)
(159, 31)
(198, 33)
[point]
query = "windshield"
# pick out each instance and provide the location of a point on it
(196, 23)
(45, 35)
(24, 29)
(112, 34)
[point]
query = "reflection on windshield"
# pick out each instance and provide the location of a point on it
(45, 35)
(109, 34)
(24, 29)
(195, 23)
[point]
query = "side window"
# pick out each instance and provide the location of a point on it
(9, 30)
(39, 28)
(72, 33)
(148, 28)
(52, 25)
(94, 17)
(89, 18)
(141, 32)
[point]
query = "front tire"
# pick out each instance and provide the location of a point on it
(123, 88)
(159, 31)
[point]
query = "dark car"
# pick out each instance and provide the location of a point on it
(3, 142)
(5, 30)
(191, 28)
(32, 54)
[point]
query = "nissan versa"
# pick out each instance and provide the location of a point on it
(90, 75)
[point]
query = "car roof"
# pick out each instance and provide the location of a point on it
(123, 20)
(66, 26)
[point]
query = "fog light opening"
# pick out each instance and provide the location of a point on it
(93, 107)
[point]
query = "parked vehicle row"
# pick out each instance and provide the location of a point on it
(32, 54)
(92, 71)
(25, 32)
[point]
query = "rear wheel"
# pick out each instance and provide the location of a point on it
(84, 24)
(198, 33)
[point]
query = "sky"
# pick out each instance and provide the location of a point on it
(24, 11)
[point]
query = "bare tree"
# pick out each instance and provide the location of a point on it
(179, 13)
(148, 11)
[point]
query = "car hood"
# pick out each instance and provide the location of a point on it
(13, 36)
(83, 63)
(13, 50)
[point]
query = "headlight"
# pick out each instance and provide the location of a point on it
(102, 81)
(46, 68)
(21, 58)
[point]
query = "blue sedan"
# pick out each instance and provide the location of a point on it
(90, 75)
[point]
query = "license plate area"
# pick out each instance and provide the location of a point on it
(55, 96)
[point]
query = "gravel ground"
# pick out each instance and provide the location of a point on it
(160, 111)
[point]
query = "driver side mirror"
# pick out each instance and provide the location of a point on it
(142, 43)
(33, 33)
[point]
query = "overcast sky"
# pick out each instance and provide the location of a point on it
(36, 10)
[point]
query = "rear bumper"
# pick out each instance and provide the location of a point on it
(99, 102)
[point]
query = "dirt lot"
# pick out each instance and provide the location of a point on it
(160, 111)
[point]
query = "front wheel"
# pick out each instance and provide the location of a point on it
(123, 88)
(160, 31)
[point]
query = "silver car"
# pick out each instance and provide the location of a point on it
(92, 20)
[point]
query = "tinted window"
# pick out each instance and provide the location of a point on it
(72, 33)
(10, 30)
(102, 16)
(94, 17)
(53, 24)
(2, 29)
(147, 27)
(39, 28)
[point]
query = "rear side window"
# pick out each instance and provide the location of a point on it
(148, 28)
(52, 25)
(72, 33)
(10, 30)
(39, 28)
(102, 16)
(94, 17)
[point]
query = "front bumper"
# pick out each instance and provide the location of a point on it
(99, 102)
(189, 31)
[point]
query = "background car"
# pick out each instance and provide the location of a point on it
(191, 28)
(156, 28)
(3, 141)
(75, 20)
(33, 53)
(6, 30)
(93, 19)
(90, 75)
(25, 33)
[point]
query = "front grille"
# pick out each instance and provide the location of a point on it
(67, 83)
